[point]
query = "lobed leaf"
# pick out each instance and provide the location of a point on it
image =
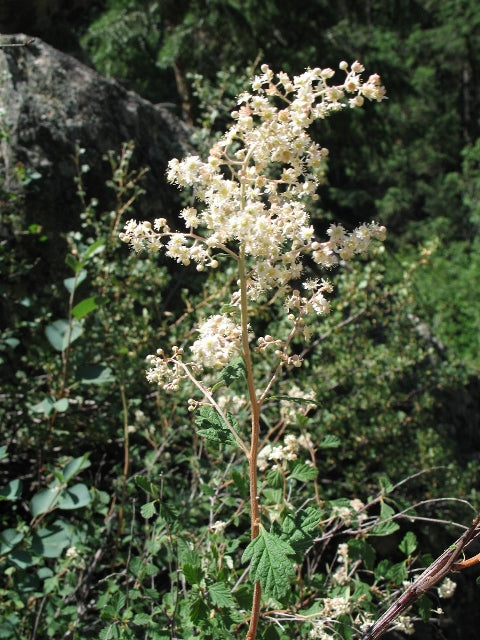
(270, 563)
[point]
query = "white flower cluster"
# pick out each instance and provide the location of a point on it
(256, 179)
(447, 588)
(252, 193)
(279, 455)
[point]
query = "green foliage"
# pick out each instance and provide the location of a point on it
(160, 556)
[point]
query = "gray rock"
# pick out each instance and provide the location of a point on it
(49, 101)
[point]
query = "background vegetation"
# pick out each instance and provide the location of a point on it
(394, 373)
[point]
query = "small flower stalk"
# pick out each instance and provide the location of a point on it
(253, 195)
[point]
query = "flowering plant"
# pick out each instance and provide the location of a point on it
(253, 195)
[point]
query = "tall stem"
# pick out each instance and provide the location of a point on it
(254, 438)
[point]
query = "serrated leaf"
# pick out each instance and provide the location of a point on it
(385, 484)
(330, 442)
(84, 307)
(148, 509)
(199, 610)
(193, 573)
(398, 573)
(142, 619)
(359, 549)
(270, 564)
(303, 472)
(221, 595)
(299, 529)
(384, 528)
(146, 485)
(212, 426)
(61, 335)
(235, 370)
(408, 544)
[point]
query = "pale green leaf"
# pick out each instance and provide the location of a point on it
(61, 334)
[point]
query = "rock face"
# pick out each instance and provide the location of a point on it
(49, 101)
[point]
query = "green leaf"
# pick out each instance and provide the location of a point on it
(299, 529)
(21, 559)
(398, 572)
(44, 501)
(359, 549)
(9, 538)
(330, 442)
(3, 452)
(270, 564)
(146, 485)
(45, 406)
(235, 370)
(12, 490)
(148, 509)
(97, 247)
(408, 544)
(193, 573)
(72, 283)
(84, 307)
(221, 595)
(142, 619)
(385, 484)
(50, 542)
(199, 610)
(75, 497)
(212, 426)
(61, 335)
(94, 374)
(74, 467)
(384, 528)
(61, 405)
(303, 472)
(241, 483)
(74, 264)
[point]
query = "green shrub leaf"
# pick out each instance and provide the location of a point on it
(84, 307)
(61, 335)
(270, 564)
(75, 497)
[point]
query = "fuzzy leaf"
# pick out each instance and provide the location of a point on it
(330, 442)
(221, 595)
(298, 529)
(234, 370)
(304, 472)
(198, 610)
(270, 564)
(212, 426)
(148, 509)
(408, 544)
